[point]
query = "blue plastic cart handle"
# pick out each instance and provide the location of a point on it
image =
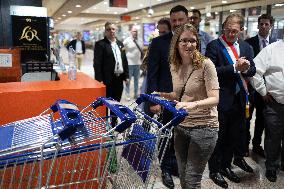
(70, 116)
(178, 115)
(126, 116)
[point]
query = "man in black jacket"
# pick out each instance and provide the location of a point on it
(79, 47)
(110, 63)
(160, 79)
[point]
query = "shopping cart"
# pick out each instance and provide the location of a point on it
(138, 151)
(63, 147)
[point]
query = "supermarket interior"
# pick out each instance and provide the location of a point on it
(59, 65)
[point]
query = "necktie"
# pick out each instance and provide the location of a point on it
(263, 43)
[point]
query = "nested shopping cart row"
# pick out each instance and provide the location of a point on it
(66, 147)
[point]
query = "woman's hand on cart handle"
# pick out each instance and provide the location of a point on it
(186, 105)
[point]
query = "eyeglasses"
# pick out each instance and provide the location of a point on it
(233, 32)
(186, 41)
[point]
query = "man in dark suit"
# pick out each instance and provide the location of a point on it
(233, 59)
(110, 63)
(160, 79)
(79, 47)
(258, 42)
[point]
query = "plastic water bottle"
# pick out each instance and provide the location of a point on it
(62, 65)
(72, 70)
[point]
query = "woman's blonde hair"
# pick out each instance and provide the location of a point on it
(174, 56)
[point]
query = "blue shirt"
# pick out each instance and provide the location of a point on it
(204, 38)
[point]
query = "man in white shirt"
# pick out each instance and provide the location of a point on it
(269, 83)
(134, 51)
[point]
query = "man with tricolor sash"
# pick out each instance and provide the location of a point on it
(233, 59)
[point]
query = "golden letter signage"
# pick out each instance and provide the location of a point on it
(30, 34)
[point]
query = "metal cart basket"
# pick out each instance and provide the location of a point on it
(61, 148)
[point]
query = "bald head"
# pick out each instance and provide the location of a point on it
(134, 32)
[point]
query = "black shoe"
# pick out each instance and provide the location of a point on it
(259, 151)
(241, 163)
(271, 175)
(168, 180)
(247, 153)
(282, 167)
(218, 179)
(227, 172)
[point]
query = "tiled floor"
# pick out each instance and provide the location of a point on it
(248, 181)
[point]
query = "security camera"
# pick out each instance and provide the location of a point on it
(150, 11)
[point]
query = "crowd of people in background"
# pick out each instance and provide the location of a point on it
(219, 82)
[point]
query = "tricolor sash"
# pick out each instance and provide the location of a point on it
(232, 56)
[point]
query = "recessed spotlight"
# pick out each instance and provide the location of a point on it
(224, 1)
(69, 12)
(78, 6)
(63, 15)
(192, 7)
(233, 10)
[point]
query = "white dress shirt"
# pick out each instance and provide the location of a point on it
(269, 63)
(118, 69)
(260, 41)
(79, 47)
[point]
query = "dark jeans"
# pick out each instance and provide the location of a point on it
(256, 102)
(193, 148)
(274, 134)
(230, 137)
(114, 90)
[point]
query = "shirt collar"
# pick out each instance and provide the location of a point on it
(261, 38)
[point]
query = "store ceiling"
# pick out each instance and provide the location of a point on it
(94, 13)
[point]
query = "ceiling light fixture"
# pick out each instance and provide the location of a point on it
(150, 10)
(78, 6)
(224, 2)
(192, 7)
(69, 12)
(63, 15)
(279, 5)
